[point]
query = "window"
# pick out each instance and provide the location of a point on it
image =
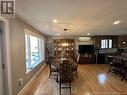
(34, 50)
(106, 43)
(110, 43)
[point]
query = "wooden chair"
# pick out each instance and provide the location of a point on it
(75, 68)
(124, 67)
(111, 61)
(65, 75)
(115, 65)
(118, 66)
(52, 68)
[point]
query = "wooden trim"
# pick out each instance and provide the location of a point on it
(32, 79)
(6, 51)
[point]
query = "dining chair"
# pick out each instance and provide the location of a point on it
(65, 75)
(74, 68)
(124, 68)
(115, 65)
(111, 61)
(118, 66)
(52, 68)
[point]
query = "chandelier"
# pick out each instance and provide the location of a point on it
(64, 43)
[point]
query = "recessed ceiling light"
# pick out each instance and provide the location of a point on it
(117, 22)
(55, 20)
(88, 34)
(58, 34)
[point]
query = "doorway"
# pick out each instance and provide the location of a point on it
(5, 66)
(1, 62)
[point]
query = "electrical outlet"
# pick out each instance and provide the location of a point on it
(20, 81)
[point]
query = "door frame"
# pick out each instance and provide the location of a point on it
(6, 52)
(1, 69)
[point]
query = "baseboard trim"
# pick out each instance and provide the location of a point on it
(20, 93)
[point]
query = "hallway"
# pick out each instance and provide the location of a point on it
(92, 80)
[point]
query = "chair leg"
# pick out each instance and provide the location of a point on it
(120, 71)
(49, 74)
(76, 73)
(57, 79)
(115, 69)
(70, 87)
(109, 69)
(60, 87)
(124, 75)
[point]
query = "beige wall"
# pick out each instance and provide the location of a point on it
(17, 49)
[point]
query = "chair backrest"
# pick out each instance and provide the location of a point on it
(74, 64)
(124, 64)
(111, 59)
(50, 62)
(65, 70)
(118, 60)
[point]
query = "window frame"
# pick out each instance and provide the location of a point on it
(41, 49)
(106, 43)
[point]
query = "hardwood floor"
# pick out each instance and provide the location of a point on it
(92, 79)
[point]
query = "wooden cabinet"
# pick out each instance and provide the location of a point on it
(87, 59)
(63, 48)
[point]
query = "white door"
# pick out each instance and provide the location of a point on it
(1, 69)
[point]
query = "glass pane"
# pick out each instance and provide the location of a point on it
(42, 50)
(26, 44)
(102, 43)
(110, 43)
(28, 64)
(34, 51)
(106, 43)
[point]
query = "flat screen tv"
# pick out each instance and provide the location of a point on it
(86, 49)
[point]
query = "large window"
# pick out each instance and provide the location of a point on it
(34, 50)
(106, 43)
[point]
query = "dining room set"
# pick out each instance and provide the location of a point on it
(65, 70)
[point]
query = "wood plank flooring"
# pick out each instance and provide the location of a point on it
(93, 79)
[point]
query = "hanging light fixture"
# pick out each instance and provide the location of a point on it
(64, 43)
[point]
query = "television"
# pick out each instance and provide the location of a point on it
(86, 49)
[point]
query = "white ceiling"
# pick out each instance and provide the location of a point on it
(79, 16)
